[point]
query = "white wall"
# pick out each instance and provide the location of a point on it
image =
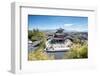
(5, 28)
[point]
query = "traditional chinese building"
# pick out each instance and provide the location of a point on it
(59, 36)
(58, 42)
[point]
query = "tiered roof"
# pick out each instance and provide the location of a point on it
(59, 35)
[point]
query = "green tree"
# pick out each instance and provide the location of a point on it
(30, 34)
(39, 53)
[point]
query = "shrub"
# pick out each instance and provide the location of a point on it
(77, 51)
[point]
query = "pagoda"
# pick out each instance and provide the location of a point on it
(59, 36)
(58, 42)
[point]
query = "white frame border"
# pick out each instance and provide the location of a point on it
(16, 28)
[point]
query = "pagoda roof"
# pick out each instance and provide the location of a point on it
(56, 38)
(60, 30)
(59, 33)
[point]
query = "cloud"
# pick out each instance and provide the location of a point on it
(74, 27)
(68, 25)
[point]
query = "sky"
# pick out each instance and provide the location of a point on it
(68, 23)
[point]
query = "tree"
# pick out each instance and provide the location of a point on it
(39, 53)
(30, 34)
